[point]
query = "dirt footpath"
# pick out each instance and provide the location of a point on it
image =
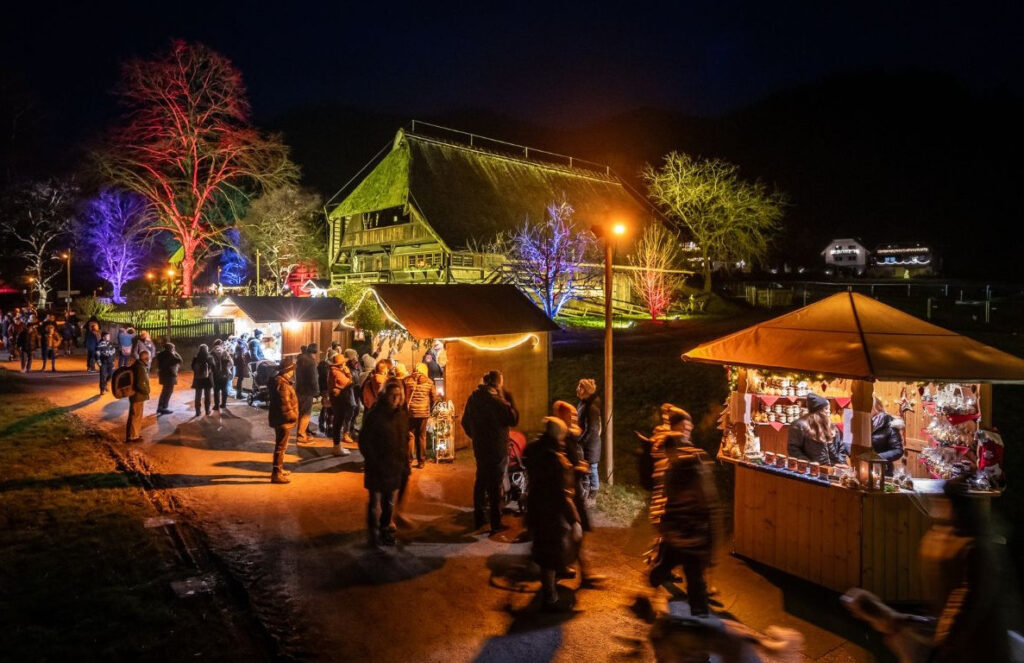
(443, 594)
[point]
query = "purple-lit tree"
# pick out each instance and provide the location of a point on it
(113, 228)
(546, 259)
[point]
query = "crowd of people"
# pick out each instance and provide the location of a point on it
(382, 407)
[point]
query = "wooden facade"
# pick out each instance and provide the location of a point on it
(832, 536)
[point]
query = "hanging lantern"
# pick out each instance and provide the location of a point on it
(871, 471)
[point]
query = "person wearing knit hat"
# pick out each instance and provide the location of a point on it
(282, 414)
(588, 413)
(812, 437)
(551, 516)
(341, 400)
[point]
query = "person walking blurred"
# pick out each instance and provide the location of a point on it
(373, 383)
(202, 378)
(140, 394)
(105, 353)
(686, 508)
(282, 415)
(420, 396)
(487, 417)
(222, 364)
(384, 446)
(551, 515)
(307, 388)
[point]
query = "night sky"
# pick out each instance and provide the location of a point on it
(536, 62)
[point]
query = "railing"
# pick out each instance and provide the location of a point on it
(199, 329)
(387, 235)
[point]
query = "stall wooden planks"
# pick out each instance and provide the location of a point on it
(832, 536)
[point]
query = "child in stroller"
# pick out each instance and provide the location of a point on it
(515, 474)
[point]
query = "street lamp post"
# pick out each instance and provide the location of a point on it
(616, 230)
(67, 300)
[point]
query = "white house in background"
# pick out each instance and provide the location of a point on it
(846, 254)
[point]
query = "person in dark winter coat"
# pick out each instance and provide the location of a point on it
(49, 341)
(812, 437)
(68, 336)
(420, 396)
(384, 447)
(356, 369)
(684, 508)
(325, 422)
(137, 401)
(551, 515)
(241, 361)
(282, 414)
(92, 339)
(222, 365)
(487, 417)
(886, 440)
(338, 393)
(202, 378)
(125, 341)
(588, 412)
(27, 341)
(105, 354)
(307, 387)
(167, 364)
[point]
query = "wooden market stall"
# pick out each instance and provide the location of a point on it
(844, 528)
(482, 327)
(287, 323)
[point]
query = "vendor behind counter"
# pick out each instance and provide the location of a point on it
(814, 438)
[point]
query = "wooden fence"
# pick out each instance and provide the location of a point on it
(199, 329)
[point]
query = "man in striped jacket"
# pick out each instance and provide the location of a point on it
(420, 396)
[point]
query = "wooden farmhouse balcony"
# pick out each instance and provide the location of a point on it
(398, 234)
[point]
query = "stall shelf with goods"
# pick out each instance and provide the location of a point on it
(481, 327)
(853, 526)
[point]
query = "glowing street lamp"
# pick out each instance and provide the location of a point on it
(67, 256)
(609, 234)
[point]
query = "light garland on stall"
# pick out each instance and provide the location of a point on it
(490, 348)
(387, 313)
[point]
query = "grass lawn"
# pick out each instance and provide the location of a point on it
(81, 578)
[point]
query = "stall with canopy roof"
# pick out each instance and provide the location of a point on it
(853, 526)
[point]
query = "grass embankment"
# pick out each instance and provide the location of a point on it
(81, 578)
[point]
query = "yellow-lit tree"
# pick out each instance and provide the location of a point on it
(730, 219)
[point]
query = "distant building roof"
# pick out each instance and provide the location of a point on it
(281, 309)
(454, 310)
(468, 194)
(847, 241)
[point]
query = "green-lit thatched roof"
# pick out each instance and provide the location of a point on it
(468, 194)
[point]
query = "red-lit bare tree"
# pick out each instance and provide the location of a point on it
(188, 146)
(656, 278)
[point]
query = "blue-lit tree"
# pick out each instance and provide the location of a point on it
(546, 259)
(234, 268)
(113, 229)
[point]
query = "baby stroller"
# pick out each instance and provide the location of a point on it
(262, 372)
(515, 475)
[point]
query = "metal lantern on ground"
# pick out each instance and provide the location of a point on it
(870, 469)
(441, 429)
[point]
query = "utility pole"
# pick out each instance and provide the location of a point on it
(609, 234)
(257, 272)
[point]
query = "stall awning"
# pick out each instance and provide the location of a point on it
(854, 336)
(280, 309)
(463, 309)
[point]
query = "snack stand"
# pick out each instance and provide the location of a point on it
(853, 527)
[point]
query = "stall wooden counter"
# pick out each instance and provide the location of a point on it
(833, 536)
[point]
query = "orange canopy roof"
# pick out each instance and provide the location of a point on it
(853, 336)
